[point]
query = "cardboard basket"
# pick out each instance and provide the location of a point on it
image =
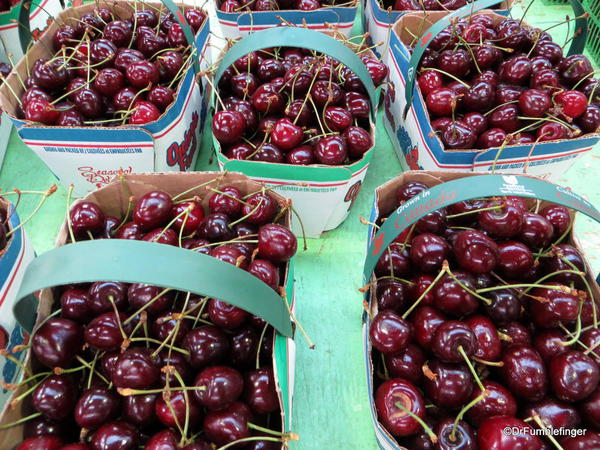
(414, 139)
(240, 24)
(135, 261)
(380, 21)
(14, 259)
(322, 195)
(447, 188)
(90, 157)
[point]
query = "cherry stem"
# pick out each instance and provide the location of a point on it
(587, 287)
(487, 301)
(463, 411)
(449, 75)
(386, 374)
(182, 69)
(420, 421)
(47, 194)
(69, 224)
(577, 333)
(262, 336)
(251, 439)
(487, 363)
(461, 350)
(587, 349)
(295, 320)
(536, 418)
(5, 353)
(91, 368)
(227, 194)
(186, 396)
(253, 426)
(241, 219)
(130, 203)
(156, 341)
(533, 285)
(466, 213)
(20, 421)
(12, 91)
(426, 291)
(198, 186)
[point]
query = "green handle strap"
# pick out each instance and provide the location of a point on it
(300, 37)
(581, 27)
(466, 189)
(577, 44)
(25, 34)
(151, 263)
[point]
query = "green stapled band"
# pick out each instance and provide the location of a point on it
(151, 263)
(304, 38)
(466, 189)
(577, 44)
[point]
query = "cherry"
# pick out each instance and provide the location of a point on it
(268, 152)
(390, 294)
(475, 251)
(55, 397)
(396, 420)
(267, 99)
(450, 386)
(259, 208)
(169, 64)
(228, 126)
(136, 369)
(455, 62)
(441, 101)
(103, 295)
(40, 110)
(476, 121)
(449, 337)
(223, 385)
(50, 74)
(573, 375)
(115, 435)
(86, 217)
(406, 364)
(175, 407)
(572, 103)
(498, 401)
(357, 104)
(215, 227)
(491, 434)
(546, 80)
(44, 442)
(550, 307)
(452, 435)
(451, 298)
(206, 345)
(389, 332)
(524, 372)
(331, 150)
(489, 347)
(550, 343)
(589, 440)
(590, 409)
(551, 131)
(265, 271)
(534, 103)
(226, 315)
(554, 414)
(161, 236)
(143, 112)
(140, 409)
(574, 68)
(506, 117)
(88, 103)
(430, 80)
(428, 251)
(504, 221)
(493, 137)
(103, 332)
(425, 321)
(298, 112)
(260, 391)
(152, 209)
(95, 407)
(276, 243)
(555, 263)
(41, 426)
(161, 97)
(228, 201)
(559, 217)
(57, 342)
(550, 50)
(409, 190)
(227, 425)
(187, 215)
(358, 141)
(589, 121)
(514, 259)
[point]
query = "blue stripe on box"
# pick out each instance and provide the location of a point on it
(56, 135)
(330, 15)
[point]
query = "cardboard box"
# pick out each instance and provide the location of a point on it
(379, 22)
(237, 25)
(322, 195)
(90, 157)
(113, 199)
(14, 259)
(419, 147)
(446, 188)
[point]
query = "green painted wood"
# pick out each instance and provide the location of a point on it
(331, 411)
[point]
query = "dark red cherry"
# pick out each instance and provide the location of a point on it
(453, 435)
(259, 208)
(559, 217)
(590, 409)
(276, 243)
(225, 315)
(556, 263)
(589, 440)
(430, 80)
(140, 409)
(589, 121)
(448, 385)
(409, 190)
(425, 321)
(75, 305)
(406, 364)
(489, 347)
(498, 401)
(504, 221)
(514, 259)
(545, 80)
(428, 251)
(215, 228)
(491, 434)
(44, 442)
(455, 62)
(55, 397)
(524, 372)
(227, 201)
(187, 215)
(451, 298)
(152, 210)
(358, 141)
(260, 391)
(86, 217)
(206, 345)
(574, 68)
(396, 420)
(267, 99)
(475, 251)
(57, 342)
(223, 385)
(161, 236)
(104, 333)
(493, 137)
(554, 414)
(390, 294)
(358, 105)
(136, 369)
(390, 333)
(450, 337)
(331, 150)
(161, 97)
(116, 435)
(227, 425)
(476, 121)
(173, 409)
(505, 306)
(104, 296)
(143, 112)
(95, 407)
(441, 101)
(573, 375)
(550, 307)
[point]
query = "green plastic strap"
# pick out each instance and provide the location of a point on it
(577, 44)
(466, 189)
(24, 26)
(151, 263)
(305, 38)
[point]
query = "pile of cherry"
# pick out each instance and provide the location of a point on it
(6, 5)
(119, 366)
(487, 84)
(109, 70)
(240, 6)
(295, 106)
(485, 320)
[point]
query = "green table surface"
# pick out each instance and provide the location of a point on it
(331, 407)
